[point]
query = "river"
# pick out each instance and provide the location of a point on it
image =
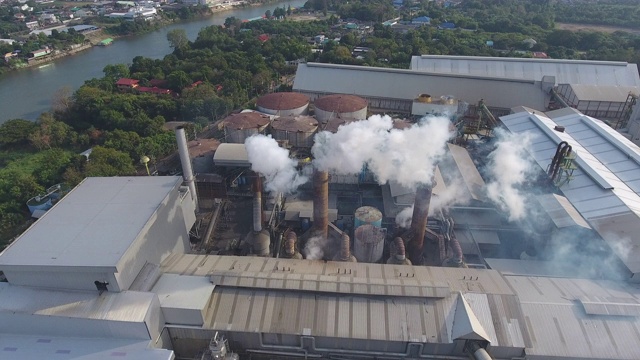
(27, 93)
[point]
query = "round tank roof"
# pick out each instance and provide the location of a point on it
(300, 123)
(246, 120)
(369, 234)
(368, 214)
(283, 101)
(341, 103)
(333, 124)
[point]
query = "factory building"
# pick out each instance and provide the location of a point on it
(344, 265)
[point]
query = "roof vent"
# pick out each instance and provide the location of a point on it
(559, 128)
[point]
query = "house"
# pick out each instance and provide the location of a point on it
(447, 25)
(540, 55)
(154, 90)
(421, 20)
(19, 16)
(32, 25)
(48, 18)
(318, 39)
(263, 37)
(125, 84)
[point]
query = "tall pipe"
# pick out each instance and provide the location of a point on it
(320, 203)
(419, 222)
(257, 203)
(185, 160)
(477, 351)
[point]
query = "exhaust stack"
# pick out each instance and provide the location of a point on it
(257, 203)
(419, 223)
(320, 203)
(345, 250)
(185, 160)
(290, 246)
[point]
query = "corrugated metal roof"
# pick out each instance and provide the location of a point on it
(586, 92)
(605, 187)
(389, 83)
(24, 347)
(594, 306)
(458, 279)
(99, 211)
(468, 171)
(127, 306)
(565, 71)
(398, 287)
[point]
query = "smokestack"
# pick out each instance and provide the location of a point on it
(419, 223)
(345, 250)
(257, 203)
(320, 203)
(398, 254)
(185, 160)
(290, 246)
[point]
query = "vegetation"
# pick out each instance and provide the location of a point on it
(225, 68)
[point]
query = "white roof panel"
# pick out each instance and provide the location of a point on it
(594, 92)
(565, 71)
(183, 291)
(16, 347)
(126, 306)
(598, 191)
(386, 83)
(98, 211)
(228, 154)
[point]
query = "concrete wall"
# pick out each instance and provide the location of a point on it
(73, 279)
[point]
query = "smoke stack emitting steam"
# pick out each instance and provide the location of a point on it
(419, 223)
(320, 203)
(272, 161)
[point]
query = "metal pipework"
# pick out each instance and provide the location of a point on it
(185, 160)
(398, 253)
(478, 352)
(320, 203)
(290, 246)
(257, 203)
(419, 222)
(345, 250)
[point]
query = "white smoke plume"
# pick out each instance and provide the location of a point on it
(403, 219)
(314, 248)
(273, 162)
(454, 194)
(510, 167)
(407, 156)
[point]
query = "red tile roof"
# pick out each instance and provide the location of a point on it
(127, 82)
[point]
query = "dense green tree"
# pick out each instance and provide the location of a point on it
(108, 162)
(16, 132)
(178, 38)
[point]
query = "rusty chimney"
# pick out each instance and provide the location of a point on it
(290, 246)
(257, 203)
(419, 223)
(398, 254)
(320, 203)
(345, 250)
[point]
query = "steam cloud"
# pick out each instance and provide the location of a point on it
(403, 219)
(407, 156)
(314, 249)
(273, 162)
(510, 167)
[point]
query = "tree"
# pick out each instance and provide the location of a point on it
(51, 133)
(62, 99)
(16, 132)
(178, 38)
(116, 71)
(178, 80)
(108, 162)
(267, 14)
(289, 10)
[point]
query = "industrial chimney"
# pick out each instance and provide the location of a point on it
(320, 203)
(290, 246)
(185, 160)
(419, 223)
(257, 203)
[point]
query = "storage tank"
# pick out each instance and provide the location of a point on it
(283, 104)
(238, 127)
(369, 243)
(340, 105)
(297, 130)
(367, 215)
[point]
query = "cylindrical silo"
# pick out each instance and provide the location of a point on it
(297, 130)
(340, 105)
(238, 127)
(283, 104)
(367, 215)
(369, 243)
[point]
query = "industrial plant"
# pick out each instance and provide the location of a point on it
(466, 208)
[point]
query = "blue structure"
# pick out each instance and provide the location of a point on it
(447, 25)
(489, 43)
(422, 20)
